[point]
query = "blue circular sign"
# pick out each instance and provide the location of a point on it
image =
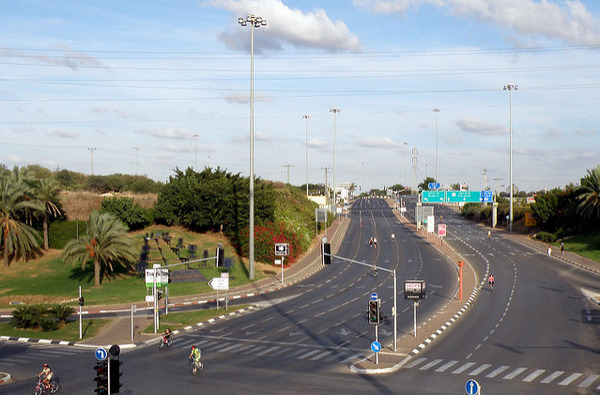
(374, 296)
(376, 346)
(101, 354)
(472, 387)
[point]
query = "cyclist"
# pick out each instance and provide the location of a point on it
(375, 242)
(196, 354)
(374, 270)
(167, 336)
(491, 281)
(489, 233)
(393, 237)
(47, 375)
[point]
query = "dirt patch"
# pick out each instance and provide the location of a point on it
(31, 299)
(80, 204)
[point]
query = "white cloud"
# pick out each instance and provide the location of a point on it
(317, 143)
(587, 132)
(64, 134)
(167, 133)
(477, 126)
(22, 129)
(106, 110)
(244, 98)
(568, 21)
(178, 148)
(385, 143)
(286, 26)
(64, 56)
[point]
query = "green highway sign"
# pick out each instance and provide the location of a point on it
(434, 197)
(464, 197)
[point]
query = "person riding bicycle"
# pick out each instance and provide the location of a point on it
(374, 241)
(196, 354)
(167, 335)
(491, 281)
(489, 234)
(47, 375)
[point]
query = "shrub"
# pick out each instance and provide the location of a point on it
(62, 231)
(546, 237)
(265, 238)
(42, 316)
(130, 213)
(61, 312)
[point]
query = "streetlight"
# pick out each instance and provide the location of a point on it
(436, 111)
(510, 87)
(335, 111)
(306, 149)
(136, 149)
(92, 149)
(254, 21)
(195, 136)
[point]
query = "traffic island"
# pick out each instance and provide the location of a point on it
(4, 377)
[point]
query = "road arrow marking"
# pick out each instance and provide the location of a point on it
(386, 333)
(300, 332)
(344, 332)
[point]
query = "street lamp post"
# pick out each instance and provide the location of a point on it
(306, 117)
(254, 21)
(335, 111)
(510, 87)
(92, 149)
(436, 111)
(195, 136)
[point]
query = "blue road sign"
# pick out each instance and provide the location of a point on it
(434, 185)
(374, 296)
(100, 354)
(487, 196)
(376, 346)
(472, 387)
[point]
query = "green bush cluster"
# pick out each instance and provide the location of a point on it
(62, 231)
(130, 213)
(42, 316)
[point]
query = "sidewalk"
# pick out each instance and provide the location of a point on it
(119, 331)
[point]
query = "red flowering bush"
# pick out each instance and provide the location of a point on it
(265, 238)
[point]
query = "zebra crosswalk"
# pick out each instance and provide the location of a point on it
(311, 353)
(504, 372)
(42, 353)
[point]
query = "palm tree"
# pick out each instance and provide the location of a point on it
(589, 194)
(106, 243)
(47, 192)
(17, 239)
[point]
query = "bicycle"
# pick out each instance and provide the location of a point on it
(491, 285)
(196, 366)
(40, 388)
(165, 342)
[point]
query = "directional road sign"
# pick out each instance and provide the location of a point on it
(487, 196)
(376, 346)
(100, 354)
(463, 196)
(472, 387)
(434, 185)
(219, 283)
(434, 197)
(374, 296)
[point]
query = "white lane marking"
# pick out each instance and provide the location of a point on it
(463, 368)
(480, 369)
(552, 377)
(514, 373)
(308, 354)
(570, 379)
(587, 382)
(534, 375)
(430, 364)
(415, 362)
(446, 366)
(497, 371)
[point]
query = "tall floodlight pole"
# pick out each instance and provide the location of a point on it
(335, 112)
(436, 111)
(510, 87)
(306, 117)
(195, 136)
(92, 149)
(136, 149)
(253, 21)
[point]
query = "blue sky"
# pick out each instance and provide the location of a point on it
(116, 75)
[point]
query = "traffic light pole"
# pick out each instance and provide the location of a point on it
(80, 316)
(393, 271)
(377, 340)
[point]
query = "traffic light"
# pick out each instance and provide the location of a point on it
(326, 254)
(374, 315)
(81, 303)
(115, 367)
(220, 255)
(115, 375)
(101, 378)
(159, 294)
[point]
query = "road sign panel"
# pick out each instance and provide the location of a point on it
(434, 196)
(472, 387)
(100, 354)
(282, 249)
(376, 346)
(374, 296)
(434, 185)
(441, 230)
(219, 283)
(463, 196)
(487, 196)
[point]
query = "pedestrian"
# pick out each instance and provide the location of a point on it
(562, 248)
(549, 250)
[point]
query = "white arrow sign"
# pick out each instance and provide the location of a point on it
(219, 283)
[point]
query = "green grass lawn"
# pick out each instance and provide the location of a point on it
(179, 320)
(70, 332)
(586, 244)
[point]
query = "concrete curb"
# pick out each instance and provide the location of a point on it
(4, 377)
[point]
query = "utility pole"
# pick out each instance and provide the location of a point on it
(485, 185)
(136, 149)
(326, 180)
(92, 149)
(497, 179)
(415, 160)
(288, 171)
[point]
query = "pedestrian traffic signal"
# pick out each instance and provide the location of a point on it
(374, 315)
(326, 253)
(220, 255)
(159, 294)
(101, 378)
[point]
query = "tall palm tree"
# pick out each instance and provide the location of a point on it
(106, 243)
(17, 239)
(589, 194)
(47, 192)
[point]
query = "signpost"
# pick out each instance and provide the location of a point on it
(100, 354)
(434, 197)
(376, 347)
(441, 232)
(472, 387)
(415, 290)
(282, 250)
(220, 283)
